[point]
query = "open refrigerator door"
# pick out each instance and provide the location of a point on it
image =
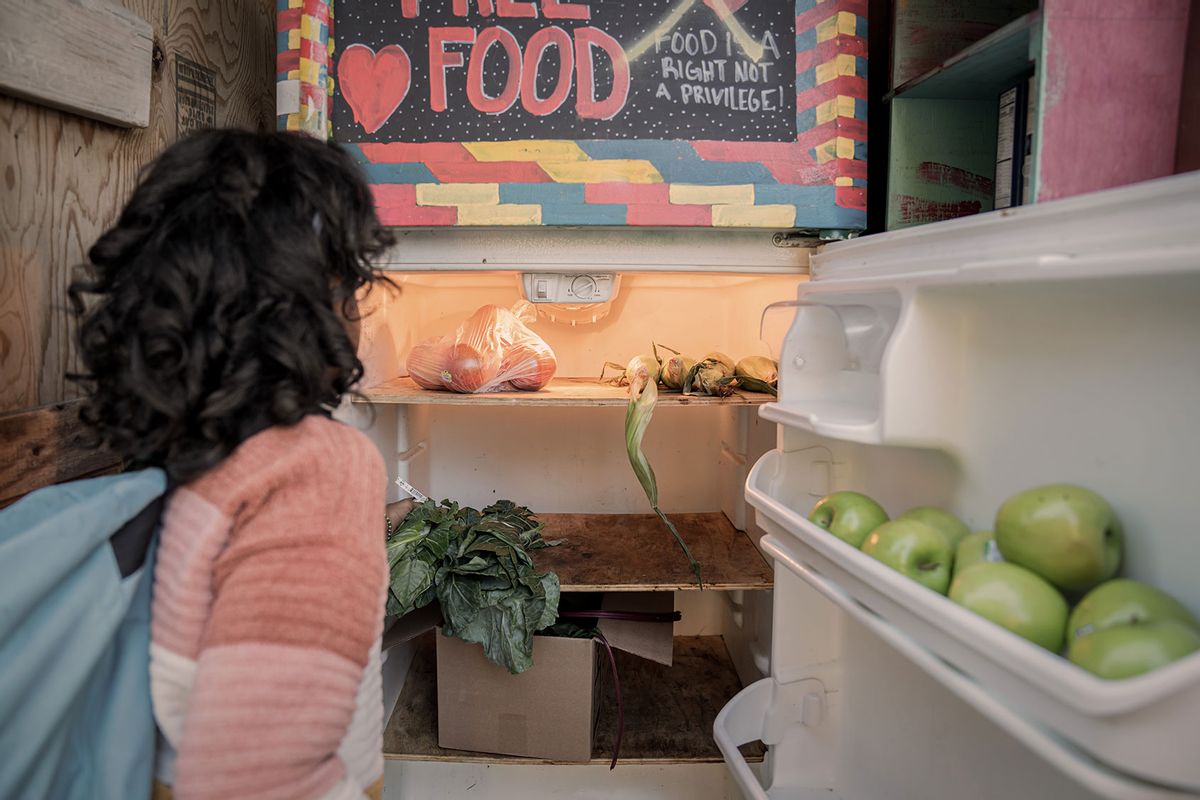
(955, 365)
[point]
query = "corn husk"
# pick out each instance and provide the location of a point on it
(642, 371)
(675, 369)
(710, 377)
(722, 358)
(637, 419)
(758, 374)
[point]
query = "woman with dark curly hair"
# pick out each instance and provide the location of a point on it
(218, 331)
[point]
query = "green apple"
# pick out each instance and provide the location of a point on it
(943, 521)
(1123, 651)
(1122, 602)
(976, 548)
(850, 516)
(1013, 598)
(914, 549)
(1067, 534)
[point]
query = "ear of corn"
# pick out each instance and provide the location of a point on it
(758, 374)
(721, 358)
(709, 377)
(675, 369)
(637, 419)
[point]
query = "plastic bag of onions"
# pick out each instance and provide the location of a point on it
(493, 350)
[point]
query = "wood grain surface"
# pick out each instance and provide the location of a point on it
(90, 57)
(43, 447)
(636, 552)
(669, 711)
(64, 178)
(560, 392)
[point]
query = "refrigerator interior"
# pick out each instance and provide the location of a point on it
(982, 357)
(572, 460)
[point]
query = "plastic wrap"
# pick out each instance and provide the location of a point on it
(493, 350)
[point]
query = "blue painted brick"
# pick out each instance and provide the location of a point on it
(804, 198)
(653, 151)
(581, 214)
(714, 173)
(398, 173)
(541, 193)
(281, 42)
(806, 80)
(806, 40)
(806, 120)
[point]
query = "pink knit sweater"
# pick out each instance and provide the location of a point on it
(268, 609)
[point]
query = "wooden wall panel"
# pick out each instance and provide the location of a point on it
(63, 178)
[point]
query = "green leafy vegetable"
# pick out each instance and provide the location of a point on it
(477, 565)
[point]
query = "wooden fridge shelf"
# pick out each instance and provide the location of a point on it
(669, 711)
(636, 552)
(578, 392)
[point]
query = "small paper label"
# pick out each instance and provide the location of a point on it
(414, 493)
(287, 97)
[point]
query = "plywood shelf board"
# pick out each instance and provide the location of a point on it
(636, 552)
(669, 711)
(982, 70)
(580, 392)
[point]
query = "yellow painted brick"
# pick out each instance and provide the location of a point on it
(842, 64)
(842, 23)
(841, 106)
(604, 171)
(457, 194)
(295, 3)
(843, 180)
(307, 25)
(739, 216)
(826, 151)
(700, 195)
(293, 122)
(310, 71)
(526, 151)
(505, 214)
(826, 112)
(293, 74)
(845, 147)
(294, 39)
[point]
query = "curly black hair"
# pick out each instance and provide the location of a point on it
(217, 297)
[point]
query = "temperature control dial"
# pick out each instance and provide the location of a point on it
(583, 287)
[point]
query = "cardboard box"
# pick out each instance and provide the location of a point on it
(550, 710)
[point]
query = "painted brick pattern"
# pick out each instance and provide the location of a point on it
(817, 181)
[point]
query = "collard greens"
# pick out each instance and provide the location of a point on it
(476, 564)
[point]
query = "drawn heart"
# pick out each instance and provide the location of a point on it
(374, 84)
(725, 7)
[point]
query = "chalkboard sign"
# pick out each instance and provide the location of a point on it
(443, 70)
(738, 113)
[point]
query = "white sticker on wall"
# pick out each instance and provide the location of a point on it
(287, 97)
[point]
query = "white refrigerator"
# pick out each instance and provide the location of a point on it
(952, 364)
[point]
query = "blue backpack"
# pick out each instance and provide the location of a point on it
(76, 568)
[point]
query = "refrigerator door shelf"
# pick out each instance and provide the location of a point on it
(1127, 724)
(763, 712)
(1078, 765)
(1035, 239)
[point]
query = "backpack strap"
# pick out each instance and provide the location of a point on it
(132, 541)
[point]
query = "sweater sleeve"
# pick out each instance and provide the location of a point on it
(297, 611)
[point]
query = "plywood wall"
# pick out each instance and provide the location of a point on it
(63, 178)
